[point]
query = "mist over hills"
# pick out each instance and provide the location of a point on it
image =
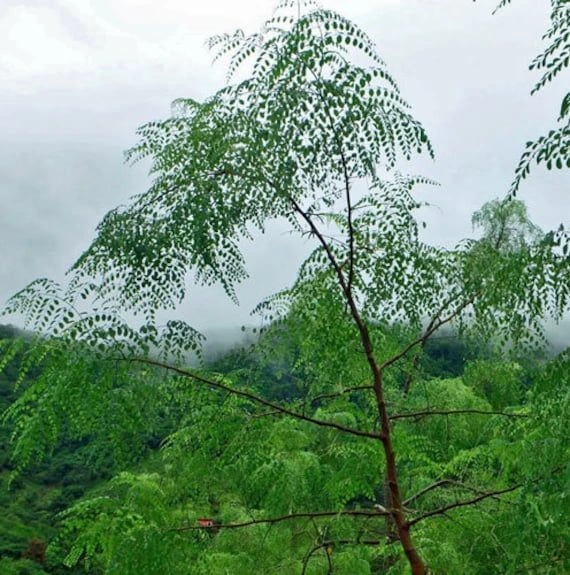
(221, 340)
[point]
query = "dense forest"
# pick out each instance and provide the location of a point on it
(473, 419)
(398, 411)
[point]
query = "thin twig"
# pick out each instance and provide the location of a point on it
(465, 503)
(255, 398)
(418, 414)
(481, 497)
(436, 322)
(289, 517)
(432, 327)
(442, 483)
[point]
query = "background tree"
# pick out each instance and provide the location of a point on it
(311, 135)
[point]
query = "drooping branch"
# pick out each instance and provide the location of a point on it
(481, 497)
(465, 503)
(288, 517)
(254, 398)
(420, 414)
(443, 483)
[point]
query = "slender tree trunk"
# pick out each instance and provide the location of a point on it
(396, 507)
(402, 529)
(396, 510)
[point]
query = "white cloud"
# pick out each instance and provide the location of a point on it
(77, 71)
(61, 43)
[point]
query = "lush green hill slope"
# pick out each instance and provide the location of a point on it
(230, 464)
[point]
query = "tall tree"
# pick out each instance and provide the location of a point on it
(310, 134)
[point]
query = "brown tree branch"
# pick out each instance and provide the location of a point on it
(342, 392)
(419, 414)
(442, 483)
(255, 398)
(318, 234)
(435, 323)
(289, 517)
(397, 510)
(465, 503)
(483, 495)
(325, 547)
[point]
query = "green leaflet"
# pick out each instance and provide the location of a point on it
(554, 148)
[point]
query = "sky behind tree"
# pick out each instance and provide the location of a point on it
(78, 78)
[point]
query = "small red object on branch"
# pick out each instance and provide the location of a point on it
(205, 522)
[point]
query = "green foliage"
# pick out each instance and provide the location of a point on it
(20, 567)
(506, 225)
(233, 464)
(498, 382)
(226, 166)
(81, 396)
(517, 274)
(31, 500)
(239, 470)
(457, 432)
(245, 468)
(554, 148)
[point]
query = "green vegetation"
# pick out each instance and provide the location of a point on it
(397, 413)
(551, 149)
(30, 501)
(231, 463)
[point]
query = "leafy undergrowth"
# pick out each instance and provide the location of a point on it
(79, 510)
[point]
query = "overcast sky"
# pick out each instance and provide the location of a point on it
(78, 76)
